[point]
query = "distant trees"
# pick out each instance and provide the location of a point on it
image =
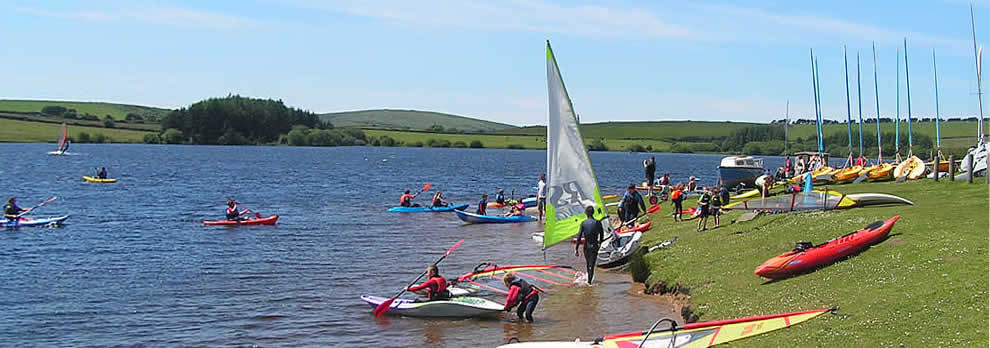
(236, 119)
(597, 145)
(476, 144)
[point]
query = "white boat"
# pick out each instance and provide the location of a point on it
(617, 255)
(742, 171)
(457, 307)
(979, 153)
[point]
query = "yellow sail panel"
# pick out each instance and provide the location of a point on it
(716, 333)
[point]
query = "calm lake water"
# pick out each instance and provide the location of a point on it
(134, 265)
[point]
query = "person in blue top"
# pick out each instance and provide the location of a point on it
(482, 205)
(631, 204)
(231, 213)
(500, 197)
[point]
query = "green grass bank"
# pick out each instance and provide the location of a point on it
(926, 285)
(15, 131)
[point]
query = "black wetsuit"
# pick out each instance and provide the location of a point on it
(593, 234)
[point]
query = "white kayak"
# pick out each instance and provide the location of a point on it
(610, 256)
(457, 307)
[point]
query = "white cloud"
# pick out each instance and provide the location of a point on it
(179, 17)
(86, 15)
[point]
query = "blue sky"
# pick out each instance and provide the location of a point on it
(621, 60)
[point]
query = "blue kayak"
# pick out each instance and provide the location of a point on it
(427, 209)
(491, 219)
(27, 222)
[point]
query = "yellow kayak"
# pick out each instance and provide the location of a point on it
(847, 174)
(880, 172)
(98, 180)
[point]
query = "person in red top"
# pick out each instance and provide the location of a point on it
(231, 213)
(523, 294)
(516, 210)
(406, 199)
(436, 285)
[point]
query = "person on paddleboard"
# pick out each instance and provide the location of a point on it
(521, 293)
(631, 204)
(231, 213)
(482, 205)
(438, 200)
(593, 233)
(435, 285)
(541, 195)
(11, 211)
(406, 199)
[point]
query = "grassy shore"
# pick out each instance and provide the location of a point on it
(117, 111)
(15, 131)
(927, 285)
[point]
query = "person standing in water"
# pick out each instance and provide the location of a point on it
(651, 169)
(482, 205)
(592, 232)
(435, 285)
(541, 194)
(521, 293)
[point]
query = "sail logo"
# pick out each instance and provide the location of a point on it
(569, 198)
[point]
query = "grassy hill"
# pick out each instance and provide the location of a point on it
(18, 131)
(661, 130)
(409, 119)
(117, 111)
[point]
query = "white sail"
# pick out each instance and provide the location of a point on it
(571, 183)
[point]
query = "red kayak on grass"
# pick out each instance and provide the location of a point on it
(643, 227)
(806, 257)
(260, 221)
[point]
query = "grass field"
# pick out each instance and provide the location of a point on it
(15, 131)
(925, 286)
(666, 130)
(409, 119)
(118, 111)
(505, 141)
(958, 129)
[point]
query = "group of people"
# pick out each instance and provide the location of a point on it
(516, 208)
(710, 203)
(520, 292)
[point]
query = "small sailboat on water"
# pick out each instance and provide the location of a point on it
(63, 142)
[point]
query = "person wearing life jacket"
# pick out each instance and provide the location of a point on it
(677, 198)
(231, 213)
(438, 200)
(102, 173)
(11, 211)
(704, 203)
(406, 199)
(516, 210)
(482, 205)
(435, 285)
(500, 197)
(521, 293)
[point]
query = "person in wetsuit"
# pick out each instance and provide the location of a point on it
(593, 233)
(231, 213)
(651, 168)
(406, 199)
(631, 204)
(435, 285)
(482, 205)
(11, 211)
(521, 293)
(438, 200)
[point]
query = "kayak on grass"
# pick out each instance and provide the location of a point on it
(29, 222)
(805, 257)
(427, 209)
(98, 180)
(456, 307)
(261, 221)
(473, 218)
(704, 334)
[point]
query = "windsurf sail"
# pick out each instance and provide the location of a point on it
(63, 142)
(707, 334)
(571, 183)
(488, 277)
(813, 200)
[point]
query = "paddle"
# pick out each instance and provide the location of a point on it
(37, 206)
(388, 303)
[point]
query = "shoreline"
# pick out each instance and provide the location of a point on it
(932, 266)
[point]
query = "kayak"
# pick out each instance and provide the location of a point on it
(28, 222)
(880, 172)
(427, 209)
(262, 221)
(805, 258)
(457, 307)
(98, 180)
(847, 174)
(528, 202)
(704, 334)
(610, 256)
(473, 218)
(643, 227)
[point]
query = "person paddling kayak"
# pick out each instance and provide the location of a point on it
(406, 199)
(500, 197)
(482, 205)
(438, 200)
(102, 173)
(11, 211)
(523, 294)
(516, 210)
(231, 213)
(592, 232)
(435, 285)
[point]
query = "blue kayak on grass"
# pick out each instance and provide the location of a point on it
(427, 209)
(491, 219)
(28, 222)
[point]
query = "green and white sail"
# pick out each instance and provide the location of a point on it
(571, 183)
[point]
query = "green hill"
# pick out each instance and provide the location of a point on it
(410, 119)
(660, 130)
(99, 109)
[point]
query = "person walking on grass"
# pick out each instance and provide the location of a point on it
(704, 203)
(716, 205)
(677, 198)
(651, 168)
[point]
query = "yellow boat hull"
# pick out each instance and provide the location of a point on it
(847, 174)
(98, 180)
(911, 168)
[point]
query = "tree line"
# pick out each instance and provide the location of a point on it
(236, 120)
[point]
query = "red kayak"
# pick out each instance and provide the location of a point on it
(804, 259)
(638, 228)
(262, 221)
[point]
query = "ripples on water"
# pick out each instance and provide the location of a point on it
(134, 265)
